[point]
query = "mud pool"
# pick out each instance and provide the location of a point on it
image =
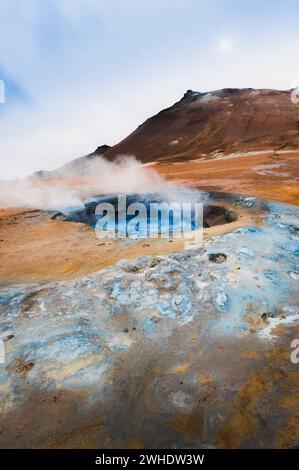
(186, 350)
(213, 214)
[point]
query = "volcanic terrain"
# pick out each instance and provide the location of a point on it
(144, 343)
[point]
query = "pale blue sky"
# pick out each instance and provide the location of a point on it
(80, 73)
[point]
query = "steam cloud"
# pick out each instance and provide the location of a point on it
(70, 185)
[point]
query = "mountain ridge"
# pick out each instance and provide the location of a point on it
(202, 124)
(226, 120)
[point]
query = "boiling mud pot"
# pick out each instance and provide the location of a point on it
(127, 208)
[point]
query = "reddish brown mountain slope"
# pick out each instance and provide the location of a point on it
(228, 120)
(242, 141)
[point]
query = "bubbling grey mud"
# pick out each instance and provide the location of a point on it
(166, 214)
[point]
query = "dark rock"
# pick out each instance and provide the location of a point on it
(102, 149)
(217, 257)
(58, 216)
(22, 366)
(267, 315)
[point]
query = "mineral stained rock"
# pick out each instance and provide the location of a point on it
(166, 351)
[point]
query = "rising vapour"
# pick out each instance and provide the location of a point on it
(70, 185)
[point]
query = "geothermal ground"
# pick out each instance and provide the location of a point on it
(165, 347)
(124, 343)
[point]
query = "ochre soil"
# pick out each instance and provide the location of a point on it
(239, 175)
(36, 249)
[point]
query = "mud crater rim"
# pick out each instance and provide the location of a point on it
(214, 213)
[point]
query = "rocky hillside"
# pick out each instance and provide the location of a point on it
(201, 125)
(228, 120)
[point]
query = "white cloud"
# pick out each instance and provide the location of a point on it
(95, 70)
(225, 45)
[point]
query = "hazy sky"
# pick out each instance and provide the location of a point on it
(81, 73)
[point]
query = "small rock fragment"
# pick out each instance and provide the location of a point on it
(217, 257)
